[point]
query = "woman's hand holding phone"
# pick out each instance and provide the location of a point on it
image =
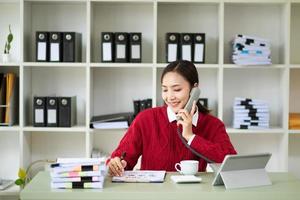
(186, 121)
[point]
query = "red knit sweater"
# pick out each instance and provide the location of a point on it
(155, 138)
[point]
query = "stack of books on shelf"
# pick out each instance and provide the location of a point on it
(249, 50)
(70, 173)
(111, 121)
(250, 113)
(294, 121)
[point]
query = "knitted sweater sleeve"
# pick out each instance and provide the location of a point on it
(217, 145)
(131, 143)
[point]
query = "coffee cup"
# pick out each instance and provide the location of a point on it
(187, 167)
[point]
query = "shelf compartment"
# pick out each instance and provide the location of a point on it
(54, 81)
(264, 84)
(208, 83)
(10, 15)
(111, 138)
(9, 154)
(52, 145)
(118, 87)
(294, 35)
(183, 17)
(259, 143)
(118, 17)
(255, 19)
(69, 16)
(294, 106)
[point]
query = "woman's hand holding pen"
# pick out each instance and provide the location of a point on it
(117, 165)
(186, 122)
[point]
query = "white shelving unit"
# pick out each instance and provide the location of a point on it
(103, 88)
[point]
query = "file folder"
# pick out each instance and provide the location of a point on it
(135, 52)
(3, 78)
(172, 49)
(199, 48)
(107, 47)
(66, 111)
(203, 101)
(52, 112)
(71, 47)
(186, 44)
(136, 107)
(39, 111)
(42, 46)
(11, 113)
(55, 46)
(121, 50)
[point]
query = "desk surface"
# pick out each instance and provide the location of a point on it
(284, 186)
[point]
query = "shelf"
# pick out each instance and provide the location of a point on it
(53, 64)
(199, 66)
(233, 66)
(295, 66)
(234, 131)
(10, 64)
(294, 132)
(9, 128)
(122, 65)
(55, 129)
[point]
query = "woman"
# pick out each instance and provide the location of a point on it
(153, 133)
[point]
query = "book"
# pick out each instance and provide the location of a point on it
(78, 185)
(78, 179)
(79, 168)
(76, 174)
(141, 176)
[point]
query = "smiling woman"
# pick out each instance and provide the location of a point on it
(153, 133)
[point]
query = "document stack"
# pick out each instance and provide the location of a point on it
(249, 50)
(250, 113)
(81, 173)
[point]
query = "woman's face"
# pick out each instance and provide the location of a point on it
(175, 90)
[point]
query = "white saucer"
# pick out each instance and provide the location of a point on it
(186, 179)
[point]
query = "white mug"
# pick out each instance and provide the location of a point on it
(187, 167)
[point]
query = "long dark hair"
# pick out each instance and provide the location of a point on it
(188, 71)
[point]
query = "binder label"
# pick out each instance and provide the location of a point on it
(172, 52)
(39, 116)
(135, 52)
(51, 116)
(107, 49)
(121, 49)
(186, 52)
(54, 49)
(199, 52)
(42, 51)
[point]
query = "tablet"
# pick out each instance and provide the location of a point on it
(239, 163)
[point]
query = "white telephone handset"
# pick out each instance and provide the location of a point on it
(194, 96)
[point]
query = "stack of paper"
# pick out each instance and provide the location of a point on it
(70, 173)
(249, 50)
(250, 113)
